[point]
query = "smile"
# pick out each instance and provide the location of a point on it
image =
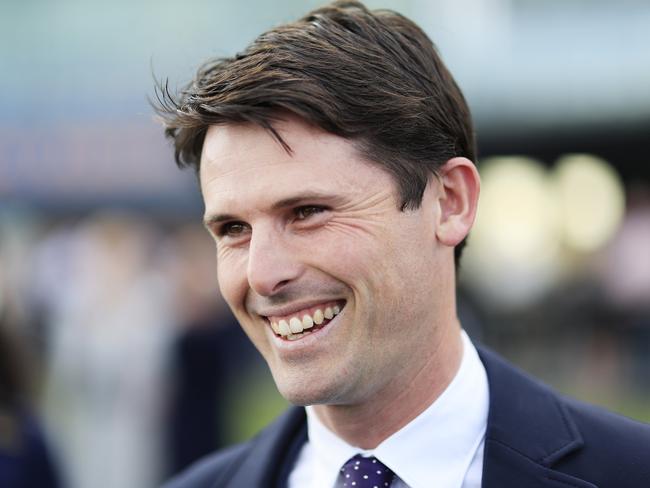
(304, 322)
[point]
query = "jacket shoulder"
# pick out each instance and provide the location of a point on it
(616, 448)
(557, 433)
(209, 471)
(260, 461)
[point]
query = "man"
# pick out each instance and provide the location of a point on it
(335, 161)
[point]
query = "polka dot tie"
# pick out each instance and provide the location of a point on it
(365, 472)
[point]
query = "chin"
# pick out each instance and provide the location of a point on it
(307, 393)
(304, 397)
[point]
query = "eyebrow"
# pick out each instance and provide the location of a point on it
(209, 222)
(312, 196)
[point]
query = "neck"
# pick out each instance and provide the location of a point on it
(369, 423)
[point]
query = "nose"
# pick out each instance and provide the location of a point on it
(272, 263)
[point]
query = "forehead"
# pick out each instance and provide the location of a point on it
(242, 164)
(233, 150)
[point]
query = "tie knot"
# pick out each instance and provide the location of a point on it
(365, 472)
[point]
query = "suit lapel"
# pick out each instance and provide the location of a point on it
(529, 430)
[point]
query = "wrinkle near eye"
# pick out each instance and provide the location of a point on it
(374, 204)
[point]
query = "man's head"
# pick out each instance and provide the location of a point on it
(373, 78)
(334, 162)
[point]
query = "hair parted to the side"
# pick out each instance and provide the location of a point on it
(373, 77)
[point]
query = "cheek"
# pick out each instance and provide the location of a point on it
(231, 276)
(359, 261)
(343, 257)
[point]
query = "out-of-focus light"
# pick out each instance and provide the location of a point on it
(591, 199)
(515, 215)
(514, 242)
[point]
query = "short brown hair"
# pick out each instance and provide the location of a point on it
(373, 77)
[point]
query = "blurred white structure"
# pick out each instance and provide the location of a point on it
(109, 321)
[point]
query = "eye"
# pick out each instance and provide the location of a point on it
(232, 229)
(307, 211)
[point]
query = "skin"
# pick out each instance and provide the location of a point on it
(321, 224)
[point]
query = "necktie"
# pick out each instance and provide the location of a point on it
(364, 472)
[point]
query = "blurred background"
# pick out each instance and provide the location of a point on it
(119, 363)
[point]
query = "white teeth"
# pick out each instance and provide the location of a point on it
(283, 326)
(318, 317)
(275, 327)
(307, 322)
(295, 325)
(293, 337)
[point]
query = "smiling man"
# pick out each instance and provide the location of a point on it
(332, 281)
(335, 158)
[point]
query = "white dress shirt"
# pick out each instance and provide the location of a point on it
(441, 447)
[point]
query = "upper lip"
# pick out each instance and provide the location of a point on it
(294, 307)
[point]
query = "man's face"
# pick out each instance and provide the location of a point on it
(315, 232)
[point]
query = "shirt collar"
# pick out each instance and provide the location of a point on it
(434, 449)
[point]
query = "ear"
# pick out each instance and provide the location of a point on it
(458, 199)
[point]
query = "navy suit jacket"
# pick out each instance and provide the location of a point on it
(535, 438)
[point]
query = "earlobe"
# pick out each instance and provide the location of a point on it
(458, 199)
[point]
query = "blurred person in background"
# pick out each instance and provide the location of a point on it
(210, 355)
(335, 157)
(105, 302)
(626, 279)
(25, 458)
